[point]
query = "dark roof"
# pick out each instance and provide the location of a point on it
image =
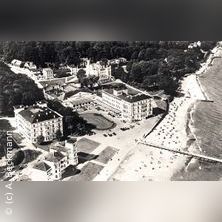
(130, 97)
(42, 166)
(119, 86)
(59, 148)
(55, 156)
(133, 98)
(71, 140)
(35, 114)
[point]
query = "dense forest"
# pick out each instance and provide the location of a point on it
(151, 64)
(16, 89)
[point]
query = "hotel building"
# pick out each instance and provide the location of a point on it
(131, 104)
(37, 120)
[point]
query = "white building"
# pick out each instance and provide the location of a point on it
(118, 61)
(41, 171)
(103, 71)
(132, 105)
(55, 162)
(47, 73)
(80, 101)
(16, 62)
(36, 120)
(30, 65)
(71, 147)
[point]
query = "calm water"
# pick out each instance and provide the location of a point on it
(208, 127)
(208, 116)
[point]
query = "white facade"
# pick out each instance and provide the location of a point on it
(30, 65)
(55, 162)
(96, 69)
(16, 62)
(47, 73)
(131, 108)
(72, 156)
(32, 122)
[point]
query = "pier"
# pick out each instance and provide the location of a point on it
(190, 154)
(205, 100)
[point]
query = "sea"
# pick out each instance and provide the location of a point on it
(207, 127)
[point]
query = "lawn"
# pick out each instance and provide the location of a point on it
(98, 120)
(86, 145)
(106, 154)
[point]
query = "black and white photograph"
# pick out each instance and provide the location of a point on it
(110, 110)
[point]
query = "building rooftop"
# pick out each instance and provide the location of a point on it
(131, 96)
(60, 148)
(118, 86)
(35, 114)
(71, 140)
(81, 101)
(42, 166)
(54, 156)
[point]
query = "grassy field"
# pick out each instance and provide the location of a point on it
(86, 145)
(99, 121)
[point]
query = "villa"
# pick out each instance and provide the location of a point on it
(47, 73)
(56, 161)
(36, 120)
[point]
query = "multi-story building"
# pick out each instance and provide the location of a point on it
(47, 73)
(56, 161)
(99, 69)
(36, 120)
(131, 104)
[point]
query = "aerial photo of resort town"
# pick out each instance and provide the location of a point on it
(110, 111)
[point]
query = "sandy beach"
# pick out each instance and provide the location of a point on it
(175, 132)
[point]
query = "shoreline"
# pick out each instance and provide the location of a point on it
(195, 145)
(175, 131)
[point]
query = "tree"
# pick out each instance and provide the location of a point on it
(81, 75)
(58, 135)
(40, 139)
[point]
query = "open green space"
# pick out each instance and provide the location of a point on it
(98, 120)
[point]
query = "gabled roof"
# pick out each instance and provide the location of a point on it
(42, 166)
(54, 156)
